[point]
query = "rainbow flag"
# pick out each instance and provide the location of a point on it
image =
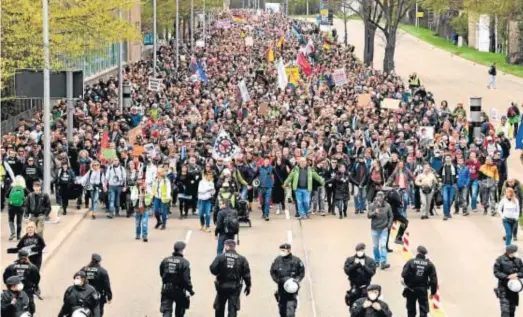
(293, 75)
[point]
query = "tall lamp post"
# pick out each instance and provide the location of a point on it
(47, 100)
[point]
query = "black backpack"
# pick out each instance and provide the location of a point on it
(231, 223)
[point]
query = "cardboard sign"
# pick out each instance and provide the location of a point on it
(263, 110)
(200, 43)
(389, 103)
(138, 150)
(223, 24)
(249, 41)
(109, 154)
(133, 133)
(243, 91)
(339, 77)
(494, 116)
(364, 100)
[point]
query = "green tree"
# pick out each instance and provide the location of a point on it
(76, 27)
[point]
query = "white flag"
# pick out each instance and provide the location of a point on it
(243, 90)
(224, 147)
(282, 75)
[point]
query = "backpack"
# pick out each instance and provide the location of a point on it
(231, 223)
(17, 196)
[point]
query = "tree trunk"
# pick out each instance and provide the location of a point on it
(390, 50)
(345, 30)
(368, 51)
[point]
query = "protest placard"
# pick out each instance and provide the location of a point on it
(364, 100)
(389, 103)
(249, 41)
(339, 77)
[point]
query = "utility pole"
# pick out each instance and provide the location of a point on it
(308, 8)
(204, 22)
(47, 101)
(70, 106)
(177, 35)
(417, 19)
(192, 25)
(155, 36)
(120, 69)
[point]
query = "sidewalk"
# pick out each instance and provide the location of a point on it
(54, 234)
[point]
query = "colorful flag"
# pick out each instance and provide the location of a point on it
(104, 143)
(270, 55)
(293, 75)
(224, 148)
(280, 43)
(238, 19)
(282, 75)
(304, 64)
(202, 76)
(310, 47)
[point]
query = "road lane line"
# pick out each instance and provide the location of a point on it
(308, 273)
(289, 237)
(188, 237)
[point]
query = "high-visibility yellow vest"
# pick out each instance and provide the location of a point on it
(2, 172)
(165, 196)
(414, 81)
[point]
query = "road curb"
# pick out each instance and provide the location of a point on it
(62, 236)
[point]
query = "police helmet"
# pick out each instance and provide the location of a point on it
(515, 285)
(291, 286)
(81, 312)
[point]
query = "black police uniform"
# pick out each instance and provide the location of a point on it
(99, 279)
(360, 276)
(30, 277)
(176, 278)
(419, 274)
(231, 270)
(22, 300)
(504, 267)
(220, 230)
(77, 296)
(283, 268)
(358, 309)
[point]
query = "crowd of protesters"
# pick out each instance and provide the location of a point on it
(314, 142)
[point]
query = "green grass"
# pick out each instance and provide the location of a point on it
(469, 53)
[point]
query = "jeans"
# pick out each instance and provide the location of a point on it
(318, 199)
(426, 200)
(492, 83)
(379, 242)
(303, 198)
(509, 225)
(359, 198)
(461, 199)
(405, 201)
(142, 224)
(342, 205)
(244, 193)
(474, 191)
(488, 195)
(114, 199)
(448, 195)
(265, 197)
(204, 211)
(94, 194)
(160, 209)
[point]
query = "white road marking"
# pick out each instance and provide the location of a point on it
(289, 237)
(188, 237)
(287, 214)
(308, 274)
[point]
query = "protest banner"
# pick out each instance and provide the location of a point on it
(339, 77)
(364, 100)
(389, 103)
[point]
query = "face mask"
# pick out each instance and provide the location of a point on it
(283, 253)
(360, 254)
(373, 296)
(77, 281)
(20, 287)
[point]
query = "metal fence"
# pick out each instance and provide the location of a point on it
(22, 108)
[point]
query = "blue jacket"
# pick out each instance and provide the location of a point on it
(463, 176)
(265, 176)
(436, 163)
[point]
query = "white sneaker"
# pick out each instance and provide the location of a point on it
(278, 211)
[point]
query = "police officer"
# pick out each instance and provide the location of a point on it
(508, 267)
(226, 228)
(231, 270)
(28, 274)
(418, 275)
(176, 283)
(286, 266)
(371, 305)
(98, 277)
(80, 296)
(14, 300)
(360, 269)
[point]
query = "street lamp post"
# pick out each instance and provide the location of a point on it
(177, 34)
(47, 100)
(192, 25)
(120, 69)
(154, 38)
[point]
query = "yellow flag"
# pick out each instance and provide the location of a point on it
(270, 55)
(279, 44)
